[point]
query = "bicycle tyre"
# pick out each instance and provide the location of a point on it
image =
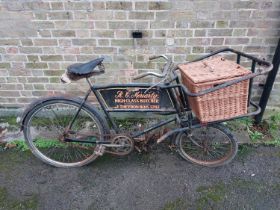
(186, 153)
(47, 104)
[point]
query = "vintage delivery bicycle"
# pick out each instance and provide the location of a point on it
(69, 132)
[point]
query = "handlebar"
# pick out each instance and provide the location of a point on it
(164, 72)
(264, 67)
(147, 74)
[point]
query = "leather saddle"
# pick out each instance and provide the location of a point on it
(84, 70)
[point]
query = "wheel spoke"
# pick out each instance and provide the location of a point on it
(207, 146)
(46, 129)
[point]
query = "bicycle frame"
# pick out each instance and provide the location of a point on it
(177, 94)
(180, 110)
(177, 108)
(169, 97)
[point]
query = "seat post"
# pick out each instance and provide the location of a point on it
(81, 105)
(89, 82)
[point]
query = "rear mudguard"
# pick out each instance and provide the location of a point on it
(39, 101)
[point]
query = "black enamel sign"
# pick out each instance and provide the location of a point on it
(136, 98)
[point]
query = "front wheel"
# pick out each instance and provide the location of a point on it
(47, 126)
(209, 146)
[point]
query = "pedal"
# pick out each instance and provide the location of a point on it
(172, 147)
(190, 134)
(99, 150)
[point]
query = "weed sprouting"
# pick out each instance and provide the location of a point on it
(266, 132)
(40, 143)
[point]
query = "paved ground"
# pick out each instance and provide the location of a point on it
(159, 180)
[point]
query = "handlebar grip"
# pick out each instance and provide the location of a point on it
(154, 57)
(138, 77)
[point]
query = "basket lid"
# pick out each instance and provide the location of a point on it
(212, 69)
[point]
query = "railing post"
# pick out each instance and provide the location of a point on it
(269, 83)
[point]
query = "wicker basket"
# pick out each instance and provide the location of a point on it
(221, 104)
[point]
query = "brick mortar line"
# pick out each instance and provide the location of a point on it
(127, 38)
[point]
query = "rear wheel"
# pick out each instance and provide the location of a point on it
(210, 146)
(46, 127)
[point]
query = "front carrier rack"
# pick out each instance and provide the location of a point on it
(262, 67)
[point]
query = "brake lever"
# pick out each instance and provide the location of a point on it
(154, 85)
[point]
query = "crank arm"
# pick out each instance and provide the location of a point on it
(112, 153)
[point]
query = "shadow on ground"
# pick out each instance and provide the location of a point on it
(159, 180)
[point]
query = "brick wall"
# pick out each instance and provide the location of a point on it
(39, 39)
